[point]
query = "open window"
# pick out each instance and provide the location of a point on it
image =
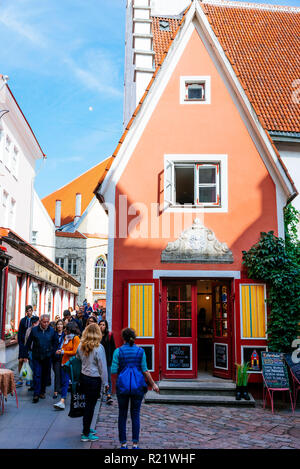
(196, 182)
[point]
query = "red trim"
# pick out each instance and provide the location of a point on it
(254, 377)
(165, 340)
(27, 289)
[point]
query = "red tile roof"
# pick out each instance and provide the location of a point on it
(66, 234)
(264, 46)
(84, 185)
(162, 38)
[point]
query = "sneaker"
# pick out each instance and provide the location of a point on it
(109, 400)
(59, 405)
(91, 437)
(35, 399)
(92, 431)
(124, 446)
(135, 447)
(19, 384)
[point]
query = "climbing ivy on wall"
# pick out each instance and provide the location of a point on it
(277, 262)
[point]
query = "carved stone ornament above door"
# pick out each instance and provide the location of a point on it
(197, 244)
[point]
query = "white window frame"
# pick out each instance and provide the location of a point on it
(61, 262)
(170, 161)
(73, 261)
(185, 80)
(100, 278)
(7, 155)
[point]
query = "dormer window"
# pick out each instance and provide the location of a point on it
(164, 25)
(195, 90)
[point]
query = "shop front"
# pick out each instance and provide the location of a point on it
(199, 326)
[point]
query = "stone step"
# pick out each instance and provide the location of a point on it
(201, 400)
(197, 388)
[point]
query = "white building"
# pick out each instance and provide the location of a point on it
(27, 235)
(81, 233)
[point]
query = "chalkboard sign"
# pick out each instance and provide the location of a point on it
(274, 370)
(179, 357)
(148, 351)
(221, 358)
(295, 367)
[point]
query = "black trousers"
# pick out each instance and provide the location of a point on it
(40, 375)
(91, 387)
(56, 364)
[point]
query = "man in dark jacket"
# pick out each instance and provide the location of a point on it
(80, 318)
(43, 342)
(25, 323)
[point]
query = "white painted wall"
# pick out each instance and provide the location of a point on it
(17, 168)
(96, 248)
(44, 227)
(168, 7)
(94, 220)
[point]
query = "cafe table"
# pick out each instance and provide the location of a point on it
(7, 386)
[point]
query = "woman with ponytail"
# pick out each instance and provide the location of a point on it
(130, 355)
(93, 375)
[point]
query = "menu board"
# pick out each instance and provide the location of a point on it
(295, 367)
(221, 358)
(274, 370)
(179, 357)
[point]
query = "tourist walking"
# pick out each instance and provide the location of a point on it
(93, 375)
(34, 322)
(25, 323)
(126, 357)
(109, 345)
(43, 342)
(57, 358)
(68, 350)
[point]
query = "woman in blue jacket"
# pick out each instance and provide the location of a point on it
(130, 354)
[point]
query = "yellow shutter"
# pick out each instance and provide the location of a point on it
(141, 309)
(253, 311)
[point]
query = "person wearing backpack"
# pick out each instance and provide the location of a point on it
(129, 362)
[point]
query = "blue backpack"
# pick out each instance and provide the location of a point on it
(131, 381)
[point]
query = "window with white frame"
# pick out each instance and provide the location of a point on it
(100, 274)
(12, 213)
(5, 207)
(195, 90)
(59, 261)
(199, 182)
(72, 266)
(7, 151)
(14, 161)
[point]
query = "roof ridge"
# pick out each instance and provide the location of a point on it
(254, 6)
(70, 182)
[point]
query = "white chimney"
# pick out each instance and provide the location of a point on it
(77, 208)
(57, 213)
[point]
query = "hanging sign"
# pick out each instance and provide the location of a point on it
(274, 370)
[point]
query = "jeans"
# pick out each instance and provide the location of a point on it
(91, 387)
(64, 383)
(57, 369)
(31, 366)
(135, 407)
(109, 380)
(40, 375)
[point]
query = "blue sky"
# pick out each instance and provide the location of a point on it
(64, 57)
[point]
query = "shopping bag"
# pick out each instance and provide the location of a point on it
(26, 372)
(77, 404)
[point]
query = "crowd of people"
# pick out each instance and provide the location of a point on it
(82, 333)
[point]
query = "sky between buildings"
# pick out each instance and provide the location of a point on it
(64, 59)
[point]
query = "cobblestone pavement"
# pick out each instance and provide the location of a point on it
(190, 427)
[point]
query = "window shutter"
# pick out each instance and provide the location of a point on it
(169, 184)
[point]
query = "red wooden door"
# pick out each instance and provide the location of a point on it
(179, 329)
(222, 335)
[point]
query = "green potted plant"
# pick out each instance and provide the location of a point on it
(242, 381)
